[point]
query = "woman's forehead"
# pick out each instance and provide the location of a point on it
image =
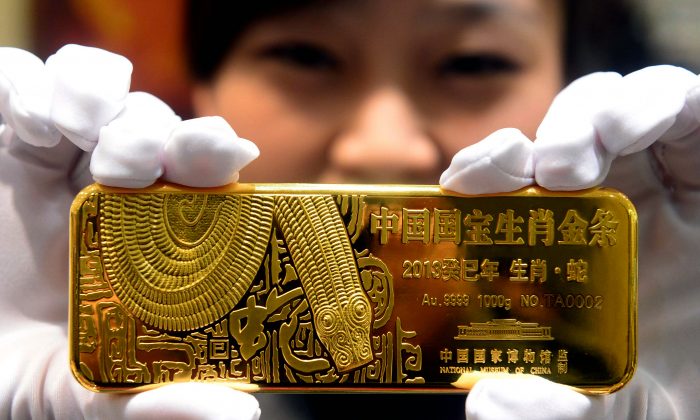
(429, 11)
(415, 19)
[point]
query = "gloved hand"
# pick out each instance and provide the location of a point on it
(594, 120)
(531, 397)
(80, 97)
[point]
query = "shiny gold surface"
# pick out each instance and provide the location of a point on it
(351, 287)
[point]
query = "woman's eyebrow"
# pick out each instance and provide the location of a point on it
(478, 11)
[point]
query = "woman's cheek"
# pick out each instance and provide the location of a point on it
(292, 145)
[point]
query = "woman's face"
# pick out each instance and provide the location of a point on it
(385, 90)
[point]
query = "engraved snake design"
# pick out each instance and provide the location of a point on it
(323, 256)
(181, 261)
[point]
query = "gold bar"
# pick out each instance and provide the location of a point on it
(301, 287)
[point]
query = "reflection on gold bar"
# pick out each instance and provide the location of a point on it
(293, 287)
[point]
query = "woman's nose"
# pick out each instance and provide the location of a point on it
(385, 140)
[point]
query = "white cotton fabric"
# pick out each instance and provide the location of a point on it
(129, 151)
(37, 186)
(641, 108)
(204, 152)
(501, 162)
(25, 97)
(528, 397)
(89, 89)
(656, 125)
(568, 152)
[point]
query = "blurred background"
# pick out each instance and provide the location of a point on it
(149, 33)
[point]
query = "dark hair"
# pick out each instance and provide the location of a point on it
(599, 35)
(604, 36)
(212, 28)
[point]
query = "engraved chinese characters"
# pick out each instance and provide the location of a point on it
(511, 280)
(352, 287)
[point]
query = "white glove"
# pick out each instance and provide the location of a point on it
(590, 123)
(148, 141)
(595, 119)
(82, 94)
(528, 397)
(501, 162)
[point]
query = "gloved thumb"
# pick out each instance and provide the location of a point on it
(25, 97)
(501, 162)
(530, 397)
(177, 401)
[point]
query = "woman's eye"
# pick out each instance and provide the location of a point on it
(477, 65)
(302, 55)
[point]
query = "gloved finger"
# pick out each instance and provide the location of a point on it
(692, 100)
(674, 155)
(501, 162)
(530, 397)
(37, 383)
(206, 152)
(35, 201)
(25, 97)
(178, 401)
(688, 118)
(90, 88)
(677, 152)
(567, 152)
(36, 165)
(642, 107)
(129, 150)
(641, 398)
(6, 133)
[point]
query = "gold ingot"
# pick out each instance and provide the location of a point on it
(299, 287)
